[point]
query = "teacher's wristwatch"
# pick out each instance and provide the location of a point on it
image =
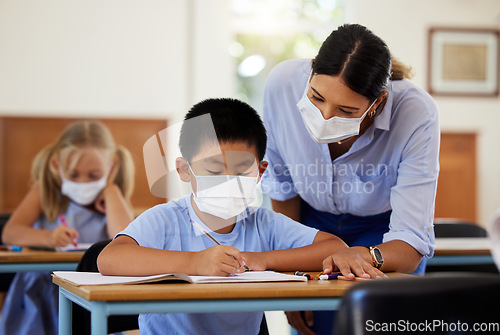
(377, 258)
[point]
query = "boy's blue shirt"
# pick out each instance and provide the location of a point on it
(168, 227)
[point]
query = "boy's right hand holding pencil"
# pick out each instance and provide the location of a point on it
(220, 260)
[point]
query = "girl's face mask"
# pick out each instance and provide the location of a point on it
(89, 162)
(83, 193)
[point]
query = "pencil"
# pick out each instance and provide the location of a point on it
(207, 234)
(64, 223)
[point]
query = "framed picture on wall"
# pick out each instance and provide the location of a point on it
(463, 62)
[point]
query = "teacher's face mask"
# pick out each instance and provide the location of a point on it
(327, 131)
(224, 196)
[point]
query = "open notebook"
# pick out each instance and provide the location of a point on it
(95, 278)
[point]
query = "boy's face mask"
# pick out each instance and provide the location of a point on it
(224, 196)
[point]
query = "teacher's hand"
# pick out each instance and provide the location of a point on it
(301, 321)
(352, 262)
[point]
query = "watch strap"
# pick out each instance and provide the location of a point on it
(377, 263)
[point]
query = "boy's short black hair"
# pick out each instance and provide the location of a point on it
(232, 120)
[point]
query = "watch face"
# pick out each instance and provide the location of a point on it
(378, 255)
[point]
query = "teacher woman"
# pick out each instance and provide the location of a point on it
(353, 150)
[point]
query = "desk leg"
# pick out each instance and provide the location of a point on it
(98, 318)
(65, 315)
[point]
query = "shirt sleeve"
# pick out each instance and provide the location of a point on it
(413, 197)
(148, 229)
(276, 181)
(283, 232)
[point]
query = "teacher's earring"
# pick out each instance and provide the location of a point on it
(372, 114)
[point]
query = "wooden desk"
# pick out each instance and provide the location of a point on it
(106, 300)
(462, 251)
(38, 260)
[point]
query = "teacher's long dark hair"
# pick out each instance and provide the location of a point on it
(361, 58)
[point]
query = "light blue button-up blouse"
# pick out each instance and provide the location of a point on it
(392, 166)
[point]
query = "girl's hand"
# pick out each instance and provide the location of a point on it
(62, 236)
(351, 264)
(221, 260)
(100, 201)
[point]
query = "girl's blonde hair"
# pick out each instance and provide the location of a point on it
(76, 137)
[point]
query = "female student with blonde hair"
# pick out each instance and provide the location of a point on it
(85, 180)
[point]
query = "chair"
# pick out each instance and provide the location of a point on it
(494, 229)
(5, 278)
(445, 301)
(457, 228)
(81, 317)
(116, 323)
(449, 228)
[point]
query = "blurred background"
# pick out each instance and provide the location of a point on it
(152, 60)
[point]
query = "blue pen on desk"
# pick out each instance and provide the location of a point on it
(207, 234)
(329, 277)
(16, 248)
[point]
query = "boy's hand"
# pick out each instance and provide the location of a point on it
(62, 236)
(351, 265)
(221, 260)
(255, 261)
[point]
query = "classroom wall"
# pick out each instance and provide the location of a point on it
(146, 59)
(118, 58)
(404, 26)
(155, 58)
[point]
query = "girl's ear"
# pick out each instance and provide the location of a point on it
(182, 167)
(54, 163)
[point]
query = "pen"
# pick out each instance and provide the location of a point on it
(64, 223)
(307, 275)
(11, 247)
(329, 277)
(207, 234)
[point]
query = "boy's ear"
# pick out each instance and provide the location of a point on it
(262, 168)
(182, 167)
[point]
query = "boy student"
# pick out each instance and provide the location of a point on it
(222, 142)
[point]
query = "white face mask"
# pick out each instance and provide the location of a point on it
(224, 196)
(82, 193)
(327, 131)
